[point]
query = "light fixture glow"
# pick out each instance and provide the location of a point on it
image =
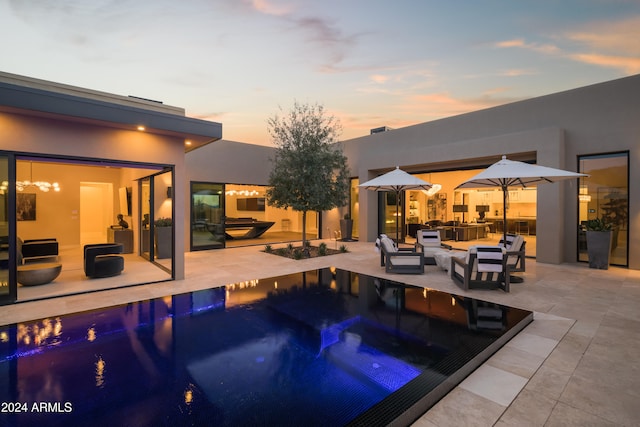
(584, 194)
(43, 186)
(141, 128)
(241, 193)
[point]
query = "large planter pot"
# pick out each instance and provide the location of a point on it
(599, 248)
(346, 229)
(163, 242)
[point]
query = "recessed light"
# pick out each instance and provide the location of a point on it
(187, 142)
(141, 128)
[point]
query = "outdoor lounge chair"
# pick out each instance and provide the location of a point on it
(429, 244)
(399, 260)
(485, 267)
(515, 251)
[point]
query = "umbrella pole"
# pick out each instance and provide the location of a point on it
(504, 214)
(397, 217)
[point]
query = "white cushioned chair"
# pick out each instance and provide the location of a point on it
(516, 246)
(428, 241)
(484, 267)
(399, 260)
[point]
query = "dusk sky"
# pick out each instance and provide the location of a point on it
(370, 63)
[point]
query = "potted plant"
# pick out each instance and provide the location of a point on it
(163, 237)
(346, 227)
(599, 239)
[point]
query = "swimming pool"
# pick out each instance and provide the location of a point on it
(323, 347)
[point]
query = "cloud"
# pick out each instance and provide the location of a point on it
(609, 44)
(516, 72)
(271, 8)
(333, 44)
(628, 64)
(379, 78)
(522, 44)
(436, 105)
(621, 36)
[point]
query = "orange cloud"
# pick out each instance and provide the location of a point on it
(521, 44)
(515, 72)
(379, 78)
(269, 8)
(621, 37)
(510, 43)
(629, 65)
(610, 44)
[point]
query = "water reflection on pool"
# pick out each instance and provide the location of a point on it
(323, 347)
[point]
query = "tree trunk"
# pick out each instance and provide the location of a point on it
(304, 230)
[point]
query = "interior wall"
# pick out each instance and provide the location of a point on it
(96, 210)
(58, 214)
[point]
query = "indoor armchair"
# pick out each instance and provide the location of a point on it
(102, 260)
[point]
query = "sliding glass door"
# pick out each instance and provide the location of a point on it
(207, 216)
(8, 286)
(605, 194)
(156, 219)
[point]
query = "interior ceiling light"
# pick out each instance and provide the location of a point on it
(43, 186)
(241, 193)
(141, 128)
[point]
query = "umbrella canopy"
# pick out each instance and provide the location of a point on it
(509, 173)
(397, 180)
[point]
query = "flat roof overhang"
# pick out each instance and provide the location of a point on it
(38, 102)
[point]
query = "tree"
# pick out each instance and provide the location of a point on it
(310, 171)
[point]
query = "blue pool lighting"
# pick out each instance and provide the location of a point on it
(319, 348)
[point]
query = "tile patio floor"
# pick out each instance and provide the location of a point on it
(577, 364)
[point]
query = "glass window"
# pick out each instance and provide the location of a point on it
(605, 194)
(207, 215)
(354, 206)
(4, 227)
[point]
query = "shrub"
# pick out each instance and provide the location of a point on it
(343, 249)
(268, 249)
(163, 222)
(322, 249)
(598, 224)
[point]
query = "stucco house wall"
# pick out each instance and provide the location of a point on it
(552, 129)
(51, 119)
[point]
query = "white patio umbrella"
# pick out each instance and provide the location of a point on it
(397, 181)
(509, 173)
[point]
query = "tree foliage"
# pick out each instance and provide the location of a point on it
(310, 171)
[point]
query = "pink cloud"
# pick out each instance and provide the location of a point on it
(269, 8)
(628, 64)
(522, 44)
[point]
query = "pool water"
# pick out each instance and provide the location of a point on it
(323, 347)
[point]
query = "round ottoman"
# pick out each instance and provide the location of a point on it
(38, 274)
